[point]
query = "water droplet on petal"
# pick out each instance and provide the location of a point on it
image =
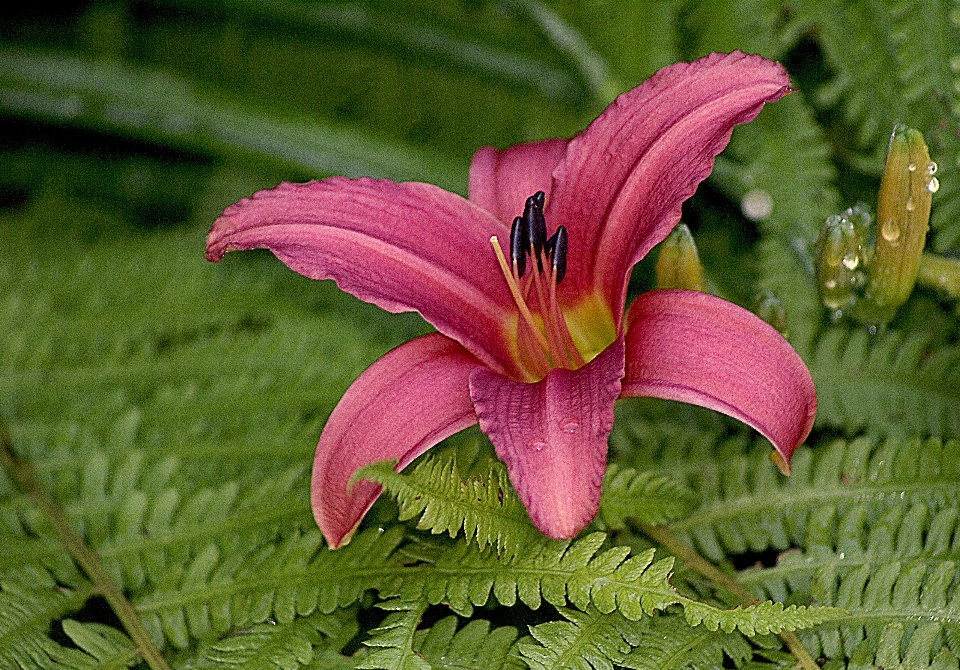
(851, 261)
(536, 445)
(933, 185)
(931, 168)
(569, 425)
(890, 230)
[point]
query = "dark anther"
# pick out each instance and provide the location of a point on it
(557, 250)
(519, 245)
(534, 222)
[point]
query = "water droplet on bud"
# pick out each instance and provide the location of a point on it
(851, 261)
(933, 185)
(912, 167)
(931, 168)
(890, 230)
(910, 205)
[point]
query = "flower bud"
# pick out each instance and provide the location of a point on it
(678, 265)
(903, 214)
(841, 256)
(770, 308)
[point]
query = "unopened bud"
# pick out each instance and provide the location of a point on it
(678, 265)
(841, 258)
(770, 308)
(903, 214)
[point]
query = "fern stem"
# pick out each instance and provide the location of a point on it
(22, 473)
(662, 536)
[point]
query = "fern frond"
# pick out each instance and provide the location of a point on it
(483, 507)
(392, 641)
(217, 593)
(285, 647)
(919, 599)
(667, 642)
(585, 641)
(641, 496)
(106, 648)
(747, 508)
(578, 573)
(759, 619)
(473, 647)
(893, 383)
(29, 600)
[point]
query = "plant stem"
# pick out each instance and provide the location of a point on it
(697, 563)
(940, 273)
(23, 475)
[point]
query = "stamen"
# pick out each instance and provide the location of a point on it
(549, 343)
(517, 297)
(557, 251)
(536, 226)
(518, 246)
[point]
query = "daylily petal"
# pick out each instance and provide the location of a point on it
(696, 348)
(552, 436)
(624, 178)
(502, 180)
(403, 404)
(402, 247)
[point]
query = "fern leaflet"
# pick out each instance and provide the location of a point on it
(392, 641)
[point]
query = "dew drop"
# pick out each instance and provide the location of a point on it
(890, 230)
(911, 205)
(830, 284)
(931, 168)
(912, 167)
(536, 445)
(569, 425)
(933, 185)
(851, 261)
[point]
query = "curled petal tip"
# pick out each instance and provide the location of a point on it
(782, 464)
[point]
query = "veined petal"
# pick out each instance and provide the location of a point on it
(696, 348)
(624, 178)
(403, 404)
(403, 247)
(552, 436)
(502, 180)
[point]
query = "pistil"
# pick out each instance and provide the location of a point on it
(554, 345)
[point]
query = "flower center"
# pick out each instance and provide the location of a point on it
(543, 338)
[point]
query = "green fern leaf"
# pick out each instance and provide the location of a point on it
(747, 508)
(29, 601)
(485, 508)
(107, 647)
(280, 580)
(392, 641)
(585, 641)
(667, 642)
(296, 644)
(641, 496)
(473, 647)
(760, 619)
(893, 383)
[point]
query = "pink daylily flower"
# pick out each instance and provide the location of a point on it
(533, 341)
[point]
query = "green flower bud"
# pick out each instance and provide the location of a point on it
(678, 265)
(770, 308)
(903, 214)
(841, 255)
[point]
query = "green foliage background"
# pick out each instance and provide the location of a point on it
(170, 407)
